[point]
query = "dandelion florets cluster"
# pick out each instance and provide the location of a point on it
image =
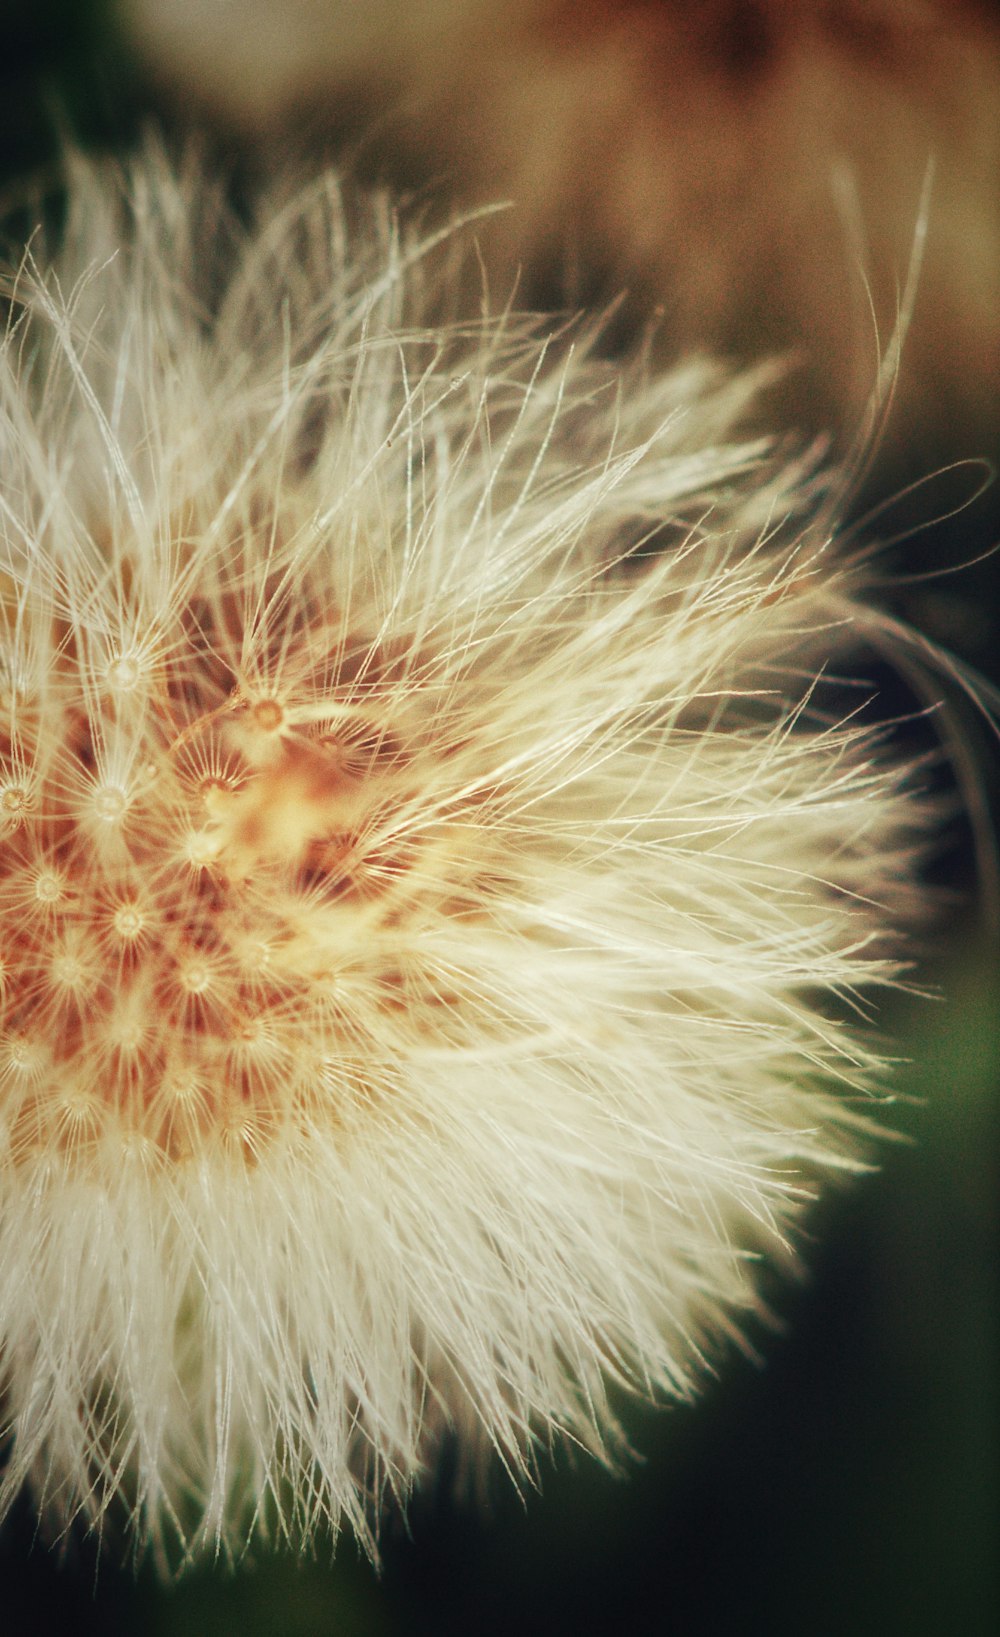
(433, 885)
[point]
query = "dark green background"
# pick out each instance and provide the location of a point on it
(848, 1482)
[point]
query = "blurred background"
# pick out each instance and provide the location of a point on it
(846, 1480)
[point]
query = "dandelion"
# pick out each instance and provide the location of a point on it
(436, 882)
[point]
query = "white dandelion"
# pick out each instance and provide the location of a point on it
(436, 881)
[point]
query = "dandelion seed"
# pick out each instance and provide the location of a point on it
(430, 870)
(707, 159)
(49, 887)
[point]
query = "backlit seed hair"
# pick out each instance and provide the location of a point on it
(437, 883)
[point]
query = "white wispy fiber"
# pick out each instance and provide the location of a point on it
(435, 880)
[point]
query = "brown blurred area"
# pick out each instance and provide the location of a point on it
(750, 176)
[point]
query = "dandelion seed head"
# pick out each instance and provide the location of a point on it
(434, 881)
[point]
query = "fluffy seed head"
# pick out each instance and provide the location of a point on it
(431, 876)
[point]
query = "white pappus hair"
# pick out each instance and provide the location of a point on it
(435, 882)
